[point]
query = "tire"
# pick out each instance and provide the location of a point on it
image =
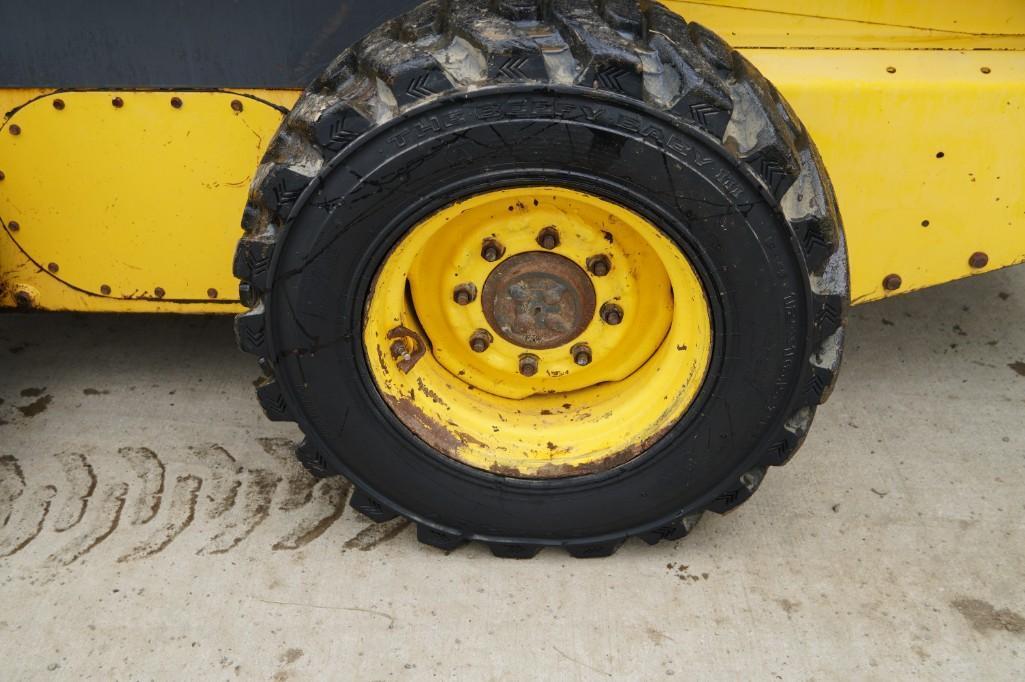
(632, 104)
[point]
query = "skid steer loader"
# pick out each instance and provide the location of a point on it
(528, 272)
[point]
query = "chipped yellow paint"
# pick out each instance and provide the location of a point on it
(567, 420)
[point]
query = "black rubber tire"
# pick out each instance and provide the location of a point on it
(632, 104)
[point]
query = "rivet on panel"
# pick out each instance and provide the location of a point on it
(159, 292)
(117, 102)
(14, 129)
(13, 226)
(236, 105)
(58, 104)
(105, 290)
(892, 282)
(53, 267)
(978, 260)
(176, 102)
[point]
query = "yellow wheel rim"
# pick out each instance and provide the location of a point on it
(538, 332)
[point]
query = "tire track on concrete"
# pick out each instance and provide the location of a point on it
(27, 521)
(150, 471)
(299, 483)
(181, 511)
(81, 485)
(100, 525)
(12, 486)
(224, 483)
(326, 506)
(256, 503)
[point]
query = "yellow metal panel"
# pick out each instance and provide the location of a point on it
(928, 161)
(876, 24)
(128, 201)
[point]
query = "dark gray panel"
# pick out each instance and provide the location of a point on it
(179, 44)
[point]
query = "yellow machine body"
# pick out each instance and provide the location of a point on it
(129, 201)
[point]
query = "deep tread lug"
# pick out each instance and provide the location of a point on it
(280, 190)
(436, 538)
(744, 488)
(251, 331)
(504, 550)
(815, 235)
(313, 461)
(676, 530)
(594, 550)
(829, 314)
(338, 126)
(273, 401)
(370, 507)
(252, 262)
(519, 10)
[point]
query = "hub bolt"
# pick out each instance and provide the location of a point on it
(464, 294)
(548, 238)
(398, 349)
(528, 364)
(611, 313)
(491, 250)
(480, 341)
(599, 265)
(581, 354)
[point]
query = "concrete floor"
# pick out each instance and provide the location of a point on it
(153, 526)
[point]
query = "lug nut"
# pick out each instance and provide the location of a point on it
(491, 250)
(480, 341)
(548, 238)
(528, 364)
(611, 313)
(464, 294)
(581, 354)
(599, 265)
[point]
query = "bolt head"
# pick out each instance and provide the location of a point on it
(491, 250)
(528, 365)
(398, 349)
(892, 282)
(581, 354)
(599, 266)
(611, 313)
(464, 294)
(548, 238)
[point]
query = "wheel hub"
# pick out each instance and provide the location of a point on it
(538, 300)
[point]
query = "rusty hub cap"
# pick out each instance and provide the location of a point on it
(538, 300)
